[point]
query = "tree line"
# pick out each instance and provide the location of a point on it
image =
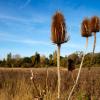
(37, 60)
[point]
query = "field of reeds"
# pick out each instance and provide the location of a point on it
(15, 84)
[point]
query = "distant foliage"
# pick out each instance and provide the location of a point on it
(38, 60)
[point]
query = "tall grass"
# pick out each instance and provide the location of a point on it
(16, 84)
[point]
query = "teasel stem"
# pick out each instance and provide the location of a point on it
(77, 75)
(86, 42)
(35, 86)
(58, 67)
(94, 45)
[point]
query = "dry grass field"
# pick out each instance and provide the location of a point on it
(15, 84)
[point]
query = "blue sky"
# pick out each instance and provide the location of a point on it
(25, 25)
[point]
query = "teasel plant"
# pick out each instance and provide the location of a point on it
(40, 92)
(58, 36)
(95, 27)
(85, 32)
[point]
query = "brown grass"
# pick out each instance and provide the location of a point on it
(15, 84)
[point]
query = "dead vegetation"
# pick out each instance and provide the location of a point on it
(15, 84)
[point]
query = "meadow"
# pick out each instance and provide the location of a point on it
(15, 84)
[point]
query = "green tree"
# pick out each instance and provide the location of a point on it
(26, 62)
(9, 57)
(43, 61)
(37, 58)
(50, 59)
(18, 63)
(9, 60)
(47, 61)
(3, 63)
(55, 58)
(64, 61)
(87, 60)
(33, 59)
(98, 58)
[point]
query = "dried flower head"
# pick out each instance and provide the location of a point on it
(95, 24)
(85, 28)
(58, 29)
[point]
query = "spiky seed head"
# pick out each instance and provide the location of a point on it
(95, 24)
(85, 28)
(58, 29)
(99, 24)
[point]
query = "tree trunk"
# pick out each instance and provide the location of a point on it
(94, 42)
(58, 66)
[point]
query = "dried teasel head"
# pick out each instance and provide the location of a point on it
(95, 24)
(99, 23)
(58, 29)
(85, 28)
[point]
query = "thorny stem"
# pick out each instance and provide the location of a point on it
(77, 76)
(86, 42)
(32, 78)
(58, 68)
(94, 45)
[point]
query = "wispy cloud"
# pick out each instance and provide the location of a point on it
(25, 4)
(33, 19)
(14, 39)
(72, 45)
(13, 18)
(33, 42)
(5, 37)
(75, 5)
